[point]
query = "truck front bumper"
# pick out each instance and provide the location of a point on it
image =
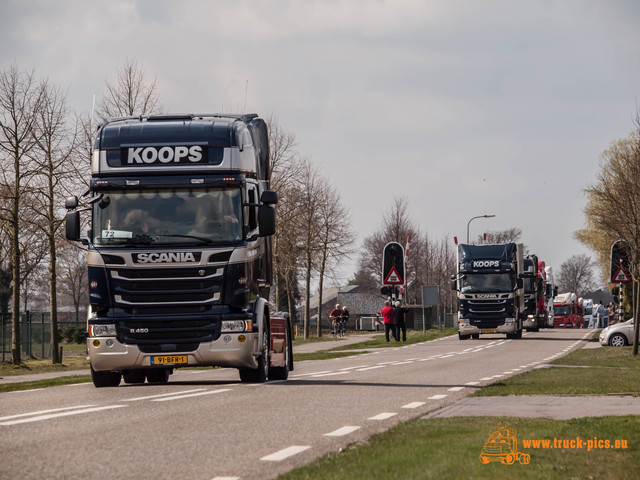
(510, 326)
(235, 350)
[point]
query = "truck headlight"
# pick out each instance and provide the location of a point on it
(531, 316)
(509, 320)
(108, 330)
(229, 326)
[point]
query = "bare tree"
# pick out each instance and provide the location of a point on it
(576, 275)
(132, 93)
(20, 99)
(285, 167)
(613, 207)
(56, 160)
(335, 239)
(503, 236)
(310, 185)
(72, 269)
(397, 226)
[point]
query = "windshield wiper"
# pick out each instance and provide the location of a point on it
(202, 239)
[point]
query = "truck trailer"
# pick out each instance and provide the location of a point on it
(489, 282)
(179, 249)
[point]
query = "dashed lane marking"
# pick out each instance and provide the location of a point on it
(341, 432)
(285, 453)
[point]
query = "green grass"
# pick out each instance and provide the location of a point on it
(413, 336)
(378, 341)
(597, 371)
(67, 380)
(450, 447)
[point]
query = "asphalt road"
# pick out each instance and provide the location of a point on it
(205, 424)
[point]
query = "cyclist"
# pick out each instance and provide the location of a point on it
(335, 316)
(343, 320)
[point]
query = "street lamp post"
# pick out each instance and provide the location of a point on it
(469, 222)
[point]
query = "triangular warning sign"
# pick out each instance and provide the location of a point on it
(621, 276)
(393, 278)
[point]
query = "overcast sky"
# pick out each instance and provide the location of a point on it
(464, 107)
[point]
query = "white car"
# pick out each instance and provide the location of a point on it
(618, 335)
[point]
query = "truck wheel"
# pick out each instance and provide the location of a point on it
(282, 373)
(133, 376)
(484, 459)
(105, 379)
(160, 375)
(463, 337)
(260, 374)
(475, 336)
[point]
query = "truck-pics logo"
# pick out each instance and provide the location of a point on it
(502, 446)
(177, 154)
(486, 264)
(168, 257)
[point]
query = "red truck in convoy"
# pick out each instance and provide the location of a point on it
(566, 311)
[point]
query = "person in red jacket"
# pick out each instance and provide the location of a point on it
(387, 315)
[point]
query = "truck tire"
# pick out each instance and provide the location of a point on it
(463, 337)
(160, 375)
(260, 374)
(282, 373)
(105, 379)
(133, 376)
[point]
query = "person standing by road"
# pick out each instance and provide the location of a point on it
(387, 315)
(398, 320)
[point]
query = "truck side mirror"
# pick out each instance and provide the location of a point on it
(72, 226)
(453, 283)
(266, 220)
(269, 197)
(71, 202)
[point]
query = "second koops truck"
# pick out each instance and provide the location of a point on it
(490, 290)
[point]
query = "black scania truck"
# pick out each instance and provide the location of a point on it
(179, 249)
(490, 290)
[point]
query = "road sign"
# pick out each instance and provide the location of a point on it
(620, 262)
(621, 276)
(393, 264)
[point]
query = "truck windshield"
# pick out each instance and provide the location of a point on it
(562, 310)
(529, 285)
(168, 217)
(486, 282)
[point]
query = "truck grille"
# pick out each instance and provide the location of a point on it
(170, 308)
(166, 287)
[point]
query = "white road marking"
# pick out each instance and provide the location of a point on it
(285, 453)
(456, 389)
(437, 397)
(180, 397)
(383, 416)
(341, 432)
(42, 412)
(61, 414)
(370, 368)
(472, 383)
(172, 394)
(329, 374)
(413, 405)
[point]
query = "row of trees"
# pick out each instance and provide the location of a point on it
(612, 211)
(44, 157)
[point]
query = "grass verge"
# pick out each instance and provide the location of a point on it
(450, 448)
(596, 371)
(377, 342)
